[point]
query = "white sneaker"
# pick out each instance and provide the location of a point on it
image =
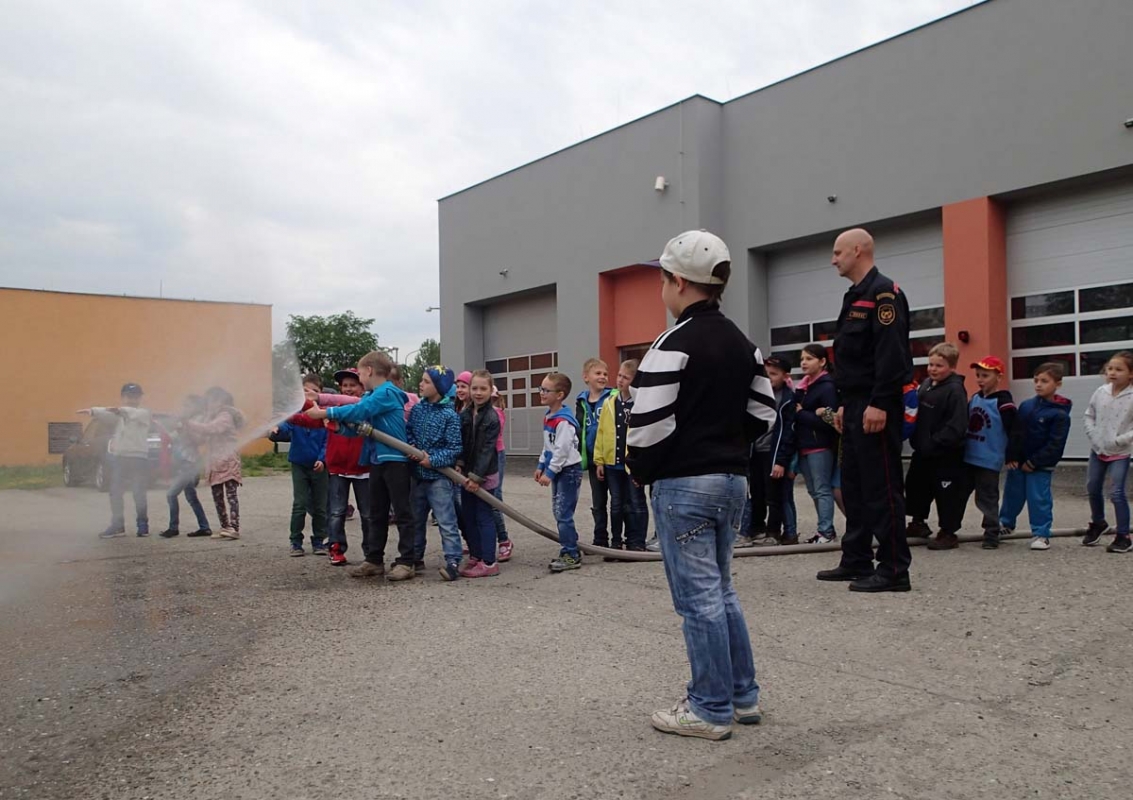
(821, 538)
(229, 533)
(682, 721)
(751, 715)
(1040, 543)
(653, 545)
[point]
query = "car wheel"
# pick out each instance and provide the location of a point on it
(100, 477)
(69, 478)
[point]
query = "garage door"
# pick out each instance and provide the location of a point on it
(805, 293)
(1070, 284)
(520, 349)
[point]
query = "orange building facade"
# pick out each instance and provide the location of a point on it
(67, 351)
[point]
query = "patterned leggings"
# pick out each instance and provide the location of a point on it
(230, 517)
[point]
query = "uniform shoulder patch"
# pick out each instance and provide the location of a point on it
(886, 296)
(886, 313)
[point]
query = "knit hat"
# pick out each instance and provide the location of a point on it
(441, 376)
(464, 377)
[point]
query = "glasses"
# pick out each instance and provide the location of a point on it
(545, 390)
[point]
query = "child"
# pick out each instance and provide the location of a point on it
(701, 397)
(186, 472)
(504, 545)
(434, 428)
(1109, 427)
(307, 457)
(588, 411)
(224, 470)
(383, 406)
(128, 456)
(1037, 441)
(991, 416)
(627, 499)
(772, 455)
(936, 471)
(560, 467)
(815, 403)
(479, 462)
(397, 377)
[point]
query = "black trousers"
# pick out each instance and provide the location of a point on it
(389, 488)
(941, 480)
(766, 495)
(599, 501)
(873, 490)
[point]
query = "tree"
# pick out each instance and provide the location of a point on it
(428, 355)
(325, 345)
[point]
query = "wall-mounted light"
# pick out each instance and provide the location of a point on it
(964, 336)
(432, 308)
(1129, 123)
(831, 198)
(503, 273)
(660, 184)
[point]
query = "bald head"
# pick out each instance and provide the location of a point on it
(853, 254)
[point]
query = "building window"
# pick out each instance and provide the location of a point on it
(61, 435)
(1090, 324)
(790, 334)
(637, 351)
(517, 377)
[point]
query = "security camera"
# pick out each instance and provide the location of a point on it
(660, 184)
(1129, 123)
(831, 198)
(503, 273)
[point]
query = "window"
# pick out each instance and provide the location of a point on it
(542, 361)
(926, 318)
(497, 366)
(1095, 321)
(521, 364)
(824, 331)
(637, 351)
(920, 345)
(517, 377)
(790, 334)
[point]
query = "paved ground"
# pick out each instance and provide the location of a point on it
(201, 669)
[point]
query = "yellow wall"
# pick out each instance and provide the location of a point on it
(61, 352)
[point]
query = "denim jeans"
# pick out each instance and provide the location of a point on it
(185, 479)
(790, 510)
(479, 528)
(498, 493)
(1032, 488)
(132, 472)
(436, 495)
(564, 500)
(338, 497)
(697, 520)
(1117, 472)
(818, 472)
(628, 510)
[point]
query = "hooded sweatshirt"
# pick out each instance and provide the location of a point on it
(1039, 434)
(560, 442)
(384, 408)
(942, 418)
(131, 431)
(1109, 422)
(219, 434)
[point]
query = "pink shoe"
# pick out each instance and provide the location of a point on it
(482, 570)
(468, 565)
(504, 551)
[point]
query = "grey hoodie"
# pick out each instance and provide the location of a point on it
(131, 434)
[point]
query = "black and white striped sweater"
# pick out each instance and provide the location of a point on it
(701, 397)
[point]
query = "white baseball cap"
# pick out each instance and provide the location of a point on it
(694, 254)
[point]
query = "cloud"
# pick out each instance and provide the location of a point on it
(292, 152)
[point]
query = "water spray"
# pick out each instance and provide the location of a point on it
(366, 429)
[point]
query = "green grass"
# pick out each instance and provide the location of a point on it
(264, 464)
(42, 477)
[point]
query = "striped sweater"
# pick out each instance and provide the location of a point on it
(701, 397)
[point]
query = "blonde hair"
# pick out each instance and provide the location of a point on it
(630, 365)
(481, 373)
(591, 363)
(378, 361)
(948, 351)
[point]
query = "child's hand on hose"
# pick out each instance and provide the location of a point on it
(424, 460)
(471, 486)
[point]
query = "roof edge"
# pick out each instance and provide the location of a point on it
(137, 297)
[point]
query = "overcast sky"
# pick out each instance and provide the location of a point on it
(292, 153)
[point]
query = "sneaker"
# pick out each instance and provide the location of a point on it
(143, 533)
(319, 549)
(450, 571)
(401, 572)
(772, 540)
(917, 530)
(683, 721)
(169, 533)
(419, 565)
(565, 562)
(229, 533)
(744, 541)
(503, 552)
(822, 538)
(991, 540)
(750, 715)
(1094, 533)
(367, 569)
(469, 564)
(297, 550)
(944, 541)
(112, 533)
(482, 570)
(653, 545)
(1040, 543)
(1120, 544)
(200, 532)
(789, 540)
(216, 534)
(337, 557)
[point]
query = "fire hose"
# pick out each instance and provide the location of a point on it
(366, 429)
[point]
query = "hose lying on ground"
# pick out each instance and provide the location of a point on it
(366, 429)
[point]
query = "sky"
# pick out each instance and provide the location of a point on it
(292, 153)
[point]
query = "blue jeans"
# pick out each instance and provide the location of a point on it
(790, 510)
(1117, 472)
(436, 495)
(338, 497)
(1032, 488)
(498, 493)
(564, 500)
(818, 472)
(126, 471)
(479, 528)
(185, 479)
(697, 521)
(628, 510)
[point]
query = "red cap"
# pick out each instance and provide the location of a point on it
(991, 363)
(349, 372)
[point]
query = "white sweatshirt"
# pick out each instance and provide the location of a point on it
(131, 436)
(1109, 421)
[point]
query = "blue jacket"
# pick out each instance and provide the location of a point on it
(1038, 436)
(811, 433)
(587, 415)
(384, 408)
(308, 445)
(435, 428)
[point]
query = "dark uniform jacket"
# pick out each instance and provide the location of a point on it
(871, 351)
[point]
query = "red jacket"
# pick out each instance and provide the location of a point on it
(344, 453)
